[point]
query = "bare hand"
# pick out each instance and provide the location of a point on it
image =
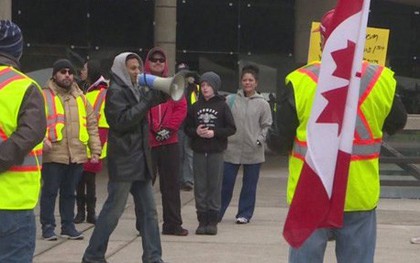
(94, 158)
(47, 145)
(204, 132)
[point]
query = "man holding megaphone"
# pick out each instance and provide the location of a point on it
(164, 122)
(129, 160)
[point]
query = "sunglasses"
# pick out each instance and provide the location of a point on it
(65, 71)
(160, 60)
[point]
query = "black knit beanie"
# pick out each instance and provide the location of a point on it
(11, 40)
(212, 79)
(62, 63)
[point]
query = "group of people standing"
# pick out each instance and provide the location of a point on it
(59, 134)
(206, 119)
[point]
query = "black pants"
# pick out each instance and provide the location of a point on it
(165, 161)
(86, 183)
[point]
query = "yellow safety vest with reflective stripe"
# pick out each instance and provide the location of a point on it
(193, 97)
(375, 101)
(97, 99)
(20, 185)
(56, 117)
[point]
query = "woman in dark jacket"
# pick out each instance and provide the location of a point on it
(129, 160)
(209, 122)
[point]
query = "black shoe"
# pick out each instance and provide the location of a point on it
(187, 187)
(80, 218)
(176, 232)
(201, 230)
(211, 229)
(91, 218)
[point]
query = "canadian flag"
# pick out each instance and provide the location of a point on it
(320, 193)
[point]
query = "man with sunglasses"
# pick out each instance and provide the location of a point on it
(71, 128)
(164, 122)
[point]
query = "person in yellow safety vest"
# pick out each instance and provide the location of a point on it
(380, 110)
(86, 189)
(192, 91)
(72, 128)
(22, 127)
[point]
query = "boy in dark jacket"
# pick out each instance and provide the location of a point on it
(209, 122)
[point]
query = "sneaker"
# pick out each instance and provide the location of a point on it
(242, 220)
(415, 240)
(176, 232)
(72, 234)
(48, 234)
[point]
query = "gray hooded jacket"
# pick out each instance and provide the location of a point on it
(252, 117)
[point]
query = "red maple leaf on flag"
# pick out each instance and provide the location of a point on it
(343, 69)
(334, 111)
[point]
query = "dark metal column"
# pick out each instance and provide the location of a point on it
(6, 9)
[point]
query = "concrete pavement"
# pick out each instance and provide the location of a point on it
(259, 241)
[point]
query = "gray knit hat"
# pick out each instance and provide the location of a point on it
(212, 79)
(11, 40)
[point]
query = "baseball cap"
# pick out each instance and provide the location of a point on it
(325, 24)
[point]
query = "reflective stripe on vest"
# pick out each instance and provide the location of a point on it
(376, 95)
(364, 145)
(97, 99)
(31, 162)
(56, 117)
(20, 184)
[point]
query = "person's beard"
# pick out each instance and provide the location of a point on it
(65, 84)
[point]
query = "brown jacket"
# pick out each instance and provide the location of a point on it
(70, 149)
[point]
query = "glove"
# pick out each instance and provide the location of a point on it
(163, 135)
(148, 94)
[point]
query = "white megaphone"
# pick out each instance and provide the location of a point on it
(174, 86)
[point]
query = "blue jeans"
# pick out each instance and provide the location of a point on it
(248, 194)
(186, 156)
(63, 177)
(354, 243)
(17, 236)
(111, 212)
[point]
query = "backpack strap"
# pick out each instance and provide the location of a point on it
(231, 100)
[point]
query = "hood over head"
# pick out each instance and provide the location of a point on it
(147, 61)
(119, 67)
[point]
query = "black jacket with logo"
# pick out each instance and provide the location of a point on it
(216, 115)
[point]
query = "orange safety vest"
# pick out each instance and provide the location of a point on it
(375, 101)
(20, 185)
(56, 117)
